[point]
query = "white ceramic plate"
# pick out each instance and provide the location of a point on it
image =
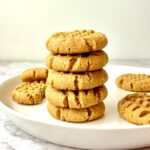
(109, 132)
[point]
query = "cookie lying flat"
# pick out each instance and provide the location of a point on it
(29, 93)
(134, 82)
(72, 81)
(34, 74)
(77, 63)
(77, 115)
(78, 41)
(135, 108)
(75, 99)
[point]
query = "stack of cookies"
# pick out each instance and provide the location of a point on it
(75, 87)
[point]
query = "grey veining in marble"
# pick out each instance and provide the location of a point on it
(11, 137)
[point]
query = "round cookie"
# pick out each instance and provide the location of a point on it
(77, 115)
(29, 93)
(34, 74)
(77, 63)
(78, 41)
(134, 82)
(72, 81)
(76, 99)
(135, 108)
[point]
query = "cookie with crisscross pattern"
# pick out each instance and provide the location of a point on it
(135, 108)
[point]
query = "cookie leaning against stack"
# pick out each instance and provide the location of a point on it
(75, 85)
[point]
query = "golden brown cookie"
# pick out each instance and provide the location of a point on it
(76, 99)
(34, 74)
(135, 108)
(72, 81)
(77, 115)
(134, 82)
(77, 63)
(29, 93)
(78, 41)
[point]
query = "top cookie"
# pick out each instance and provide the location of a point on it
(34, 74)
(78, 41)
(134, 82)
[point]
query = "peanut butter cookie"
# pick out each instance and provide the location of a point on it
(34, 74)
(78, 41)
(29, 93)
(77, 115)
(135, 108)
(134, 82)
(77, 63)
(76, 99)
(72, 81)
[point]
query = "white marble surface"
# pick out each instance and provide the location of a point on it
(11, 137)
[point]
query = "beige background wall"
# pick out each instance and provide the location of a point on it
(26, 24)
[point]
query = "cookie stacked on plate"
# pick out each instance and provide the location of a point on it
(75, 85)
